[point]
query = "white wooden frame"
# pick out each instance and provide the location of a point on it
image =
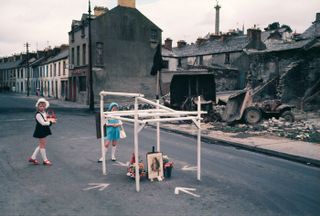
(142, 117)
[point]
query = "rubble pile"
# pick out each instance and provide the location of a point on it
(300, 130)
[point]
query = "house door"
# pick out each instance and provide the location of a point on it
(74, 89)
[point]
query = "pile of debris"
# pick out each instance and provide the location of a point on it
(300, 130)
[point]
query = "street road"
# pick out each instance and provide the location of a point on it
(234, 181)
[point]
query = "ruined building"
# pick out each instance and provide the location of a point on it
(286, 63)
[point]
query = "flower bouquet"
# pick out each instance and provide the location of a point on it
(167, 166)
(131, 172)
(51, 116)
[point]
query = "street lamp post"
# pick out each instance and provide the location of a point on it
(91, 95)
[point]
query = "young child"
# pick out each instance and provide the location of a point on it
(112, 132)
(42, 130)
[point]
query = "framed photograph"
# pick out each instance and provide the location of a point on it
(155, 165)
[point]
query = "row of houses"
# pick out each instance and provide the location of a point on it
(45, 71)
(123, 44)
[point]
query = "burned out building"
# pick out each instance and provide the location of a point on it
(291, 67)
(123, 45)
(287, 65)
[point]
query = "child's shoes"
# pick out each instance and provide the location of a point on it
(34, 161)
(47, 163)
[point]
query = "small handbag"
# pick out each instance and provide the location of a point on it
(122, 133)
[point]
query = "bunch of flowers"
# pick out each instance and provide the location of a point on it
(167, 166)
(131, 172)
(166, 162)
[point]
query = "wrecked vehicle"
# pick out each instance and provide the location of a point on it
(240, 106)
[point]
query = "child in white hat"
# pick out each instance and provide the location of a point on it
(42, 130)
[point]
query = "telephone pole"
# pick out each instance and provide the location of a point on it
(91, 95)
(28, 75)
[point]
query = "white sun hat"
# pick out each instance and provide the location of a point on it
(42, 100)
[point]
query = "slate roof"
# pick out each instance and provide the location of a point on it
(10, 65)
(231, 44)
(63, 54)
(312, 32)
(266, 34)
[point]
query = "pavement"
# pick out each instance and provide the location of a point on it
(299, 151)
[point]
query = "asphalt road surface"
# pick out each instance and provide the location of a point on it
(234, 181)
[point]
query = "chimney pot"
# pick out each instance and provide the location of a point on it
(200, 41)
(318, 17)
(98, 10)
(168, 44)
(254, 36)
(127, 3)
(181, 43)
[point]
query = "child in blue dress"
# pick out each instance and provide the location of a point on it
(112, 134)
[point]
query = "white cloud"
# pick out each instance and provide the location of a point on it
(40, 21)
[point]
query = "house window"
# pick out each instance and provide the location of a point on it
(78, 55)
(99, 53)
(165, 64)
(82, 29)
(72, 34)
(200, 60)
(227, 58)
(82, 83)
(54, 69)
(84, 52)
(153, 35)
(179, 62)
(64, 68)
(72, 55)
(59, 67)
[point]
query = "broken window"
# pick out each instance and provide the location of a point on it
(179, 62)
(227, 58)
(165, 64)
(200, 60)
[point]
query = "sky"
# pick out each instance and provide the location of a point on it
(44, 23)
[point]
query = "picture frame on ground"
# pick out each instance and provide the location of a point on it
(155, 165)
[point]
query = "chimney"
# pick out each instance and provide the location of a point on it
(200, 41)
(99, 10)
(181, 43)
(127, 3)
(255, 42)
(317, 18)
(168, 44)
(217, 7)
(214, 37)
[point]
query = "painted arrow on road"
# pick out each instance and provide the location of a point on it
(185, 190)
(118, 163)
(189, 168)
(102, 186)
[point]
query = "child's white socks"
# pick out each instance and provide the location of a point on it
(113, 152)
(35, 153)
(43, 154)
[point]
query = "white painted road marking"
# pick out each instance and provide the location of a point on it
(185, 190)
(189, 168)
(102, 186)
(118, 163)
